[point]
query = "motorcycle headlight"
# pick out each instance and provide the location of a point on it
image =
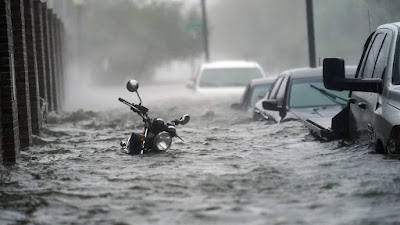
(394, 141)
(162, 141)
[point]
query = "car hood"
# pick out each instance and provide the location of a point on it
(305, 113)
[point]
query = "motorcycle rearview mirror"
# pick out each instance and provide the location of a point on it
(184, 119)
(132, 85)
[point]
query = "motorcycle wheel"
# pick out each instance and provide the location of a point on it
(134, 145)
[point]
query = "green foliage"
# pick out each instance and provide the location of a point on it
(126, 39)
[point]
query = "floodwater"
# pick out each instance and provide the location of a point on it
(228, 170)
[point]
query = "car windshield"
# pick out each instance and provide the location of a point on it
(258, 93)
(228, 77)
(306, 94)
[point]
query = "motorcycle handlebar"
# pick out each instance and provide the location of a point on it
(131, 105)
(124, 101)
(135, 108)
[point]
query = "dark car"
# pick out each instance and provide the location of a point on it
(254, 91)
(300, 94)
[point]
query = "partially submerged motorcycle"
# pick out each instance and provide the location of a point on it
(157, 135)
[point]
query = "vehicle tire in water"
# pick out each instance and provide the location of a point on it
(134, 145)
(379, 149)
(257, 117)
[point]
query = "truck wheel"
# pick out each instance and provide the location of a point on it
(379, 149)
(257, 117)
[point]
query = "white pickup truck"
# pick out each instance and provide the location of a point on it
(373, 110)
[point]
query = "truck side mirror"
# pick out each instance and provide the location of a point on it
(334, 75)
(334, 78)
(271, 104)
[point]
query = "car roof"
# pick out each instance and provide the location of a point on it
(230, 64)
(308, 72)
(390, 25)
(260, 81)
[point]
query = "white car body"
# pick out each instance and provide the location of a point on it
(225, 90)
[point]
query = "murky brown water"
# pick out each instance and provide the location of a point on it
(229, 170)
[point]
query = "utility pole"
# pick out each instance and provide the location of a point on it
(79, 25)
(311, 34)
(205, 30)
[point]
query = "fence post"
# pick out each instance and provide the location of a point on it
(41, 56)
(49, 69)
(62, 59)
(9, 108)
(52, 18)
(60, 88)
(21, 73)
(30, 34)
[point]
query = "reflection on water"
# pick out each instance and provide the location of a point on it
(229, 170)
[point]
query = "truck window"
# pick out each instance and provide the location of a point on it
(381, 62)
(281, 93)
(369, 64)
(275, 88)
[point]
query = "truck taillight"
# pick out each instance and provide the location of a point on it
(394, 141)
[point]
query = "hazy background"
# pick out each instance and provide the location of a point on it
(110, 42)
(275, 34)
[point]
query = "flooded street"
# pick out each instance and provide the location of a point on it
(228, 170)
(328, 59)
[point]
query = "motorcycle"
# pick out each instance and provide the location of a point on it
(157, 135)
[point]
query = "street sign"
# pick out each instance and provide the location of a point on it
(194, 27)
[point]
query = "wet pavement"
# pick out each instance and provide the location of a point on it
(228, 170)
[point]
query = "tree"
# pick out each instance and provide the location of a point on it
(125, 39)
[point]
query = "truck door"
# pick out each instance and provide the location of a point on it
(364, 104)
